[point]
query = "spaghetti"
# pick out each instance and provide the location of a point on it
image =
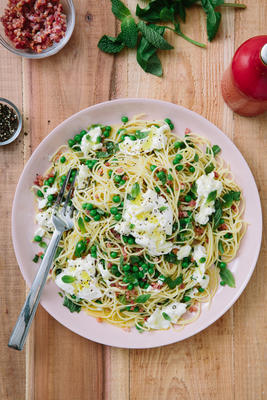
(157, 218)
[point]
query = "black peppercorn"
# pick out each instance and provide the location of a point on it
(8, 122)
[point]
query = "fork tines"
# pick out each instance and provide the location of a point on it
(63, 188)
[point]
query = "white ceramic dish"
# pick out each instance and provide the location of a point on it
(109, 113)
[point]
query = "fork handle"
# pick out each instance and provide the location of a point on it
(21, 329)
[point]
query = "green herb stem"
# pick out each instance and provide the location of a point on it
(187, 38)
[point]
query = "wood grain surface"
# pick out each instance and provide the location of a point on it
(227, 361)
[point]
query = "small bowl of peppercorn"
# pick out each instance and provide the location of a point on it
(10, 122)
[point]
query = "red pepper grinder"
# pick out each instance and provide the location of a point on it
(244, 83)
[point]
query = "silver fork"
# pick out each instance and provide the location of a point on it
(62, 221)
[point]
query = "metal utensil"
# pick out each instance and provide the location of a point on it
(62, 220)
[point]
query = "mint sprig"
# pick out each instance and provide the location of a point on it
(148, 38)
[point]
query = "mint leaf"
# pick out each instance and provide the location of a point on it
(209, 168)
(110, 44)
(212, 196)
(129, 32)
(173, 283)
(163, 208)
(153, 37)
(81, 225)
(119, 9)
(220, 247)
(142, 135)
(68, 279)
(227, 276)
(71, 306)
(166, 316)
(135, 190)
(142, 298)
(167, 14)
(122, 299)
(230, 197)
(151, 13)
(213, 18)
(216, 149)
(218, 214)
(147, 58)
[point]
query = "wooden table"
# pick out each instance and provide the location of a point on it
(226, 361)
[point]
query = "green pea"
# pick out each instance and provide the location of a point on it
(202, 260)
(201, 290)
(196, 158)
(82, 133)
(179, 167)
(50, 197)
(51, 181)
(171, 126)
(131, 240)
(151, 271)
(62, 159)
(124, 119)
(135, 268)
(130, 286)
(106, 134)
(93, 249)
(161, 175)
(93, 213)
(168, 121)
(178, 145)
(222, 283)
(71, 142)
(152, 167)
(126, 268)
(192, 169)
(114, 210)
(157, 189)
(117, 178)
(116, 199)
(187, 198)
(117, 217)
(108, 128)
(77, 138)
(37, 238)
(141, 284)
(39, 193)
(146, 285)
(144, 266)
(228, 235)
(110, 172)
(185, 264)
(97, 217)
(63, 177)
(132, 137)
(86, 218)
(89, 206)
(84, 206)
(117, 274)
(125, 279)
(71, 179)
(222, 265)
(114, 254)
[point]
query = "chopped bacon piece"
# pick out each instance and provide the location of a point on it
(104, 148)
(183, 214)
(39, 180)
(187, 131)
(192, 203)
(174, 251)
(233, 207)
(99, 319)
(34, 24)
(119, 171)
(107, 164)
(198, 230)
(40, 253)
(193, 309)
(124, 178)
(182, 286)
(223, 227)
(216, 175)
(156, 285)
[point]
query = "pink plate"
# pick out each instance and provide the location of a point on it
(110, 113)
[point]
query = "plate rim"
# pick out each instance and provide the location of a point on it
(233, 299)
